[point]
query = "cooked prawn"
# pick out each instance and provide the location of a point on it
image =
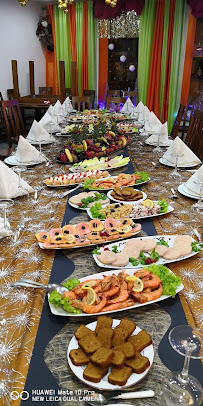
(70, 295)
(147, 297)
(94, 308)
(152, 282)
(120, 305)
(143, 273)
(123, 295)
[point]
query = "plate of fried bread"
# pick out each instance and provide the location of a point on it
(157, 249)
(126, 194)
(110, 354)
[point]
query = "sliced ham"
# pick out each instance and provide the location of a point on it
(107, 257)
(149, 245)
(122, 259)
(172, 253)
(161, 249)
(184, 239)
(185, 248)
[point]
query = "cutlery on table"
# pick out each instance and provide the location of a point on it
(196, 232)
(174, 195)
(102, 400)
(155, 165)
(26, 283)
(69, 191)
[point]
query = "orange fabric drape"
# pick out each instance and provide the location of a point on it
(103, 69)
(188, 59)
(84, 84)
(168, 61)
(51, 63)
(155, 70)
(73, 45)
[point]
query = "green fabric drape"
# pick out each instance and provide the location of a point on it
(177, 59)
(79, 28)
(63, 51)
(92, 47)
(147, 21)
(164, 53)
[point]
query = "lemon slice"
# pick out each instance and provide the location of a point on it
(91, 295)
(89, 284)
(124, 229)
(131, 278)
(138, 285)
(70, 238)
(148, 204)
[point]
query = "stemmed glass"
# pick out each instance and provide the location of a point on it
(6, 380)
(4, 205)
(175, 171)
(18, 170)
(180, 388)
(199, 205)
(157, 150)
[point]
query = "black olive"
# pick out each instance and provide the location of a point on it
(66, 232)
(76, 236)
(94, 225)
(112, 210)
(83, 227)
(56, 233)
(45, 236)
(124, 221)
(58, 239)
(116, 206)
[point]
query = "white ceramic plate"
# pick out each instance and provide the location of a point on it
(167, 163)
(184, 192)
(90, 245)
(104, 384)
(75, 206)
(154, 144)
(60, 312)
(109, 168)
(169, 238)
(11, 160)
(169, 210)
(42, 142)
(126, 202)
(114, 177)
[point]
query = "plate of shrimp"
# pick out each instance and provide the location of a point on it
(114, 292)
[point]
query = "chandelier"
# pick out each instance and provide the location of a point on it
(23, 2)
(63, 4)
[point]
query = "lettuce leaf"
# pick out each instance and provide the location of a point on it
(163, 205)
(95, 211)
(169, 280)
(57, 300)
(144, 177)
(71, 283)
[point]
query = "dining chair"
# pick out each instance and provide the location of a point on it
(132, 95)
(13, 120)
(115, 102)
(111, 93)
(176, 125)
(2, 121)
(68, 91)
(81, 101)
(189, 111)
(194, 137)
(91, 94)
(10, 93)
(45, 91)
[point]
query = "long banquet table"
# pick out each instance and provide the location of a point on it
(36, 341)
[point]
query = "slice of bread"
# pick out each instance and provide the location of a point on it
(78, 357)
(119, 376)
(120, 336)
(89, 344)
(94, 373)
(127, 348)
(141, 340)
(128, 325)
(118, 359)
(102, 357)
(105, 336)
(138, 363)
(83, 331)
(103, 321)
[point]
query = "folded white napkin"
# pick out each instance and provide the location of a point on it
(162, 133)
(57, 107)
(9, 183)
(4, 232)
(193, 187)
(27, 153)
(153, 125)
(68, 105)
(37, 133)
(146, 113)
(140, 107)
(179, 147)
(128, 106)
(56, 117)
(48, 123)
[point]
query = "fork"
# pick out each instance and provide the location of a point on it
(69, 191)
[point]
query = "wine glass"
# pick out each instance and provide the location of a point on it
(180, 388)
(18, 170)
(199, 205)
(157, 150)
(6, 380)
(175, 171)
(4, 205)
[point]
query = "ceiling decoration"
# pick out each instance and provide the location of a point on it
(124, 26)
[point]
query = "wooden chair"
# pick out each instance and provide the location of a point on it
(81, 101)
(189, 111)
(176, 125)
(133, 96)
(115, 102)
(111, 93)
(10, 93)
(68, 91)
(91, 94)
(45, 91)
(2, 121)
(194, 137)
(13, 120)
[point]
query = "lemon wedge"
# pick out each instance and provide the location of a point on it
(148, 204)
(138, 284)
(70, 238)
(131, 278)
(91, 295)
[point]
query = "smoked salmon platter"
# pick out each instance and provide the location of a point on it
(159, 250)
